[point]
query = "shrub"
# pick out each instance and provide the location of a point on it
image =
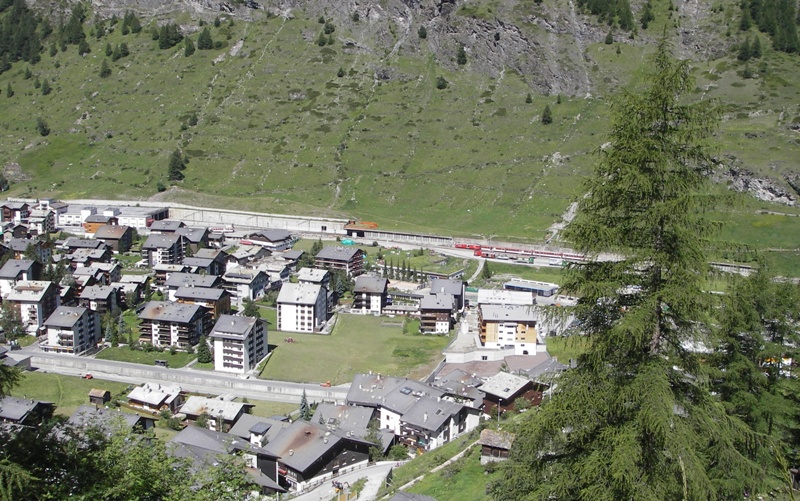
(441, 83)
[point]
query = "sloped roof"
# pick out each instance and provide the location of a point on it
(111, 232)
(496, 439)
(372, 285)
(338, 253)
(167, 311)
(65, 316)
(304, 293)
(14, 267)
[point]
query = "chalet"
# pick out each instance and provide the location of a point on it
(351, 420)
(436, 313)
(245, 284)
(302, 308)
(456, 288)
(163, 249)
(307, 452)
(25, 411)
(42, 249)
(208, 261)
(166, 226)
(222, 414)
(369, 295)
(72, 244)
(99, 397)
(118, 237)
(178, 280)
(80, 258)
(15, 230)
(35, 301)
(42, 221)
(259, 431)
(216, 301)
(503, 326)
(502, 389)
(72, 330)
(272, 240)
(348, 259)
(292, 257)
(246, 254)
(99, 298)
(16, 270)
(194, 238)
(416, 413)
(15, 212)
(163, 272)
(156, 397)
(92, 223)
(495, 445)
(279, 271)
(166, 323)
(240, 343)
(106, 420)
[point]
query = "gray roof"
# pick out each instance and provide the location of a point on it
(98, 218)
(65, 316)
(531, 285)
(201, 293)
(155, 394)
(17, 409)
(166, 225)
(14, 267)
(135, 279)
(301, 444)
(374, 285)
(111, 232)
(29, 291)
(504, 385)
(89, 415)
(191, 280)
(21, 244)
(299, 293)
(167, 311)
(207, 253)
(83, 243)
(448, 286)
(200, 262)
(218, 442)
(194, 235)
(242, 275)
(98, 292)
(245, 424)
(313, 275)
(338, 253)
(544, 372)
(430, 414)
(161, 241)
(270, 235)
(507, 313)
(496, 439)
(235, 326)
(292, 255)
(504, 296)
(215, 407)
(437, 302)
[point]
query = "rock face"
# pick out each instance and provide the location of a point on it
(762, 188)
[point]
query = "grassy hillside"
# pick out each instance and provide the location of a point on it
(278, 130)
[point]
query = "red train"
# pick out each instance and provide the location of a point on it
(491, 251)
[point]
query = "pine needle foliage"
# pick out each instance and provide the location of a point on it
(636, 419)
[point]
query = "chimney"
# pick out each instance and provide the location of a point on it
(425, 418)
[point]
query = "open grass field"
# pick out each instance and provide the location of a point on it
(357, 344)
(463, 480)
(567, 347)
(268, 409)
(279, 131)
(67, 392)
(125, 354)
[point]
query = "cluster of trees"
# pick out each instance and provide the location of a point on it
(681, 394)
(176, 166)
(168, 36)
(326, 35)
(610, 11)
(749, 50)
(400, 272)
(56, 461)
(21, 33)
(778, 18)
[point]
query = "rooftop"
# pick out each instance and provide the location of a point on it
(374, 285)
(65, 316)
(233, 326)
(338, 253)
(111, 232)
(166, 311)
(299, 293)
(161, 241)
(504, 385)
(14, 267)
(214, 407)
(508, 313)
(313, 275)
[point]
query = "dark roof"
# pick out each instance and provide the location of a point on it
(98, 218)
(270, 235)
(447, 286)
(292, 255)
(88, 415)
(374, 285)
(437, 302)
(194, 235)
(111, 232)
(191, 280)
(83, 243)
(17, 409)
(338, 253)
(65, 316)
(159, 241)
(21, 244)
(233, 326)
(166, 311)
(14, 267)
(202, 293)
(246, 422)
(301, 444)
(169, 225)
(98, 292)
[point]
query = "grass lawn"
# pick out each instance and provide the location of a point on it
(265, 408)
(357, 344)
(204, 367)
(67, 392)
(565, 348)
(124, 354)
(463, 480)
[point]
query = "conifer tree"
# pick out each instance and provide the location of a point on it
(744, 50)
(204, 355)
(46, 88)
(305, 410)
(188, 49)
(204, 41)
(461, 58)
(635, 419)
(176, 166)
(9, 90)
(109, 51)
(755, 50)
(547, 115)
(105, 71)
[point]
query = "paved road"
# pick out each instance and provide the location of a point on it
(190, 379)
(375, 475)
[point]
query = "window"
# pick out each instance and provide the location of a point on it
(484, 357)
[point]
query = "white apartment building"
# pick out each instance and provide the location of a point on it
(239, 343)
(302, 308)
